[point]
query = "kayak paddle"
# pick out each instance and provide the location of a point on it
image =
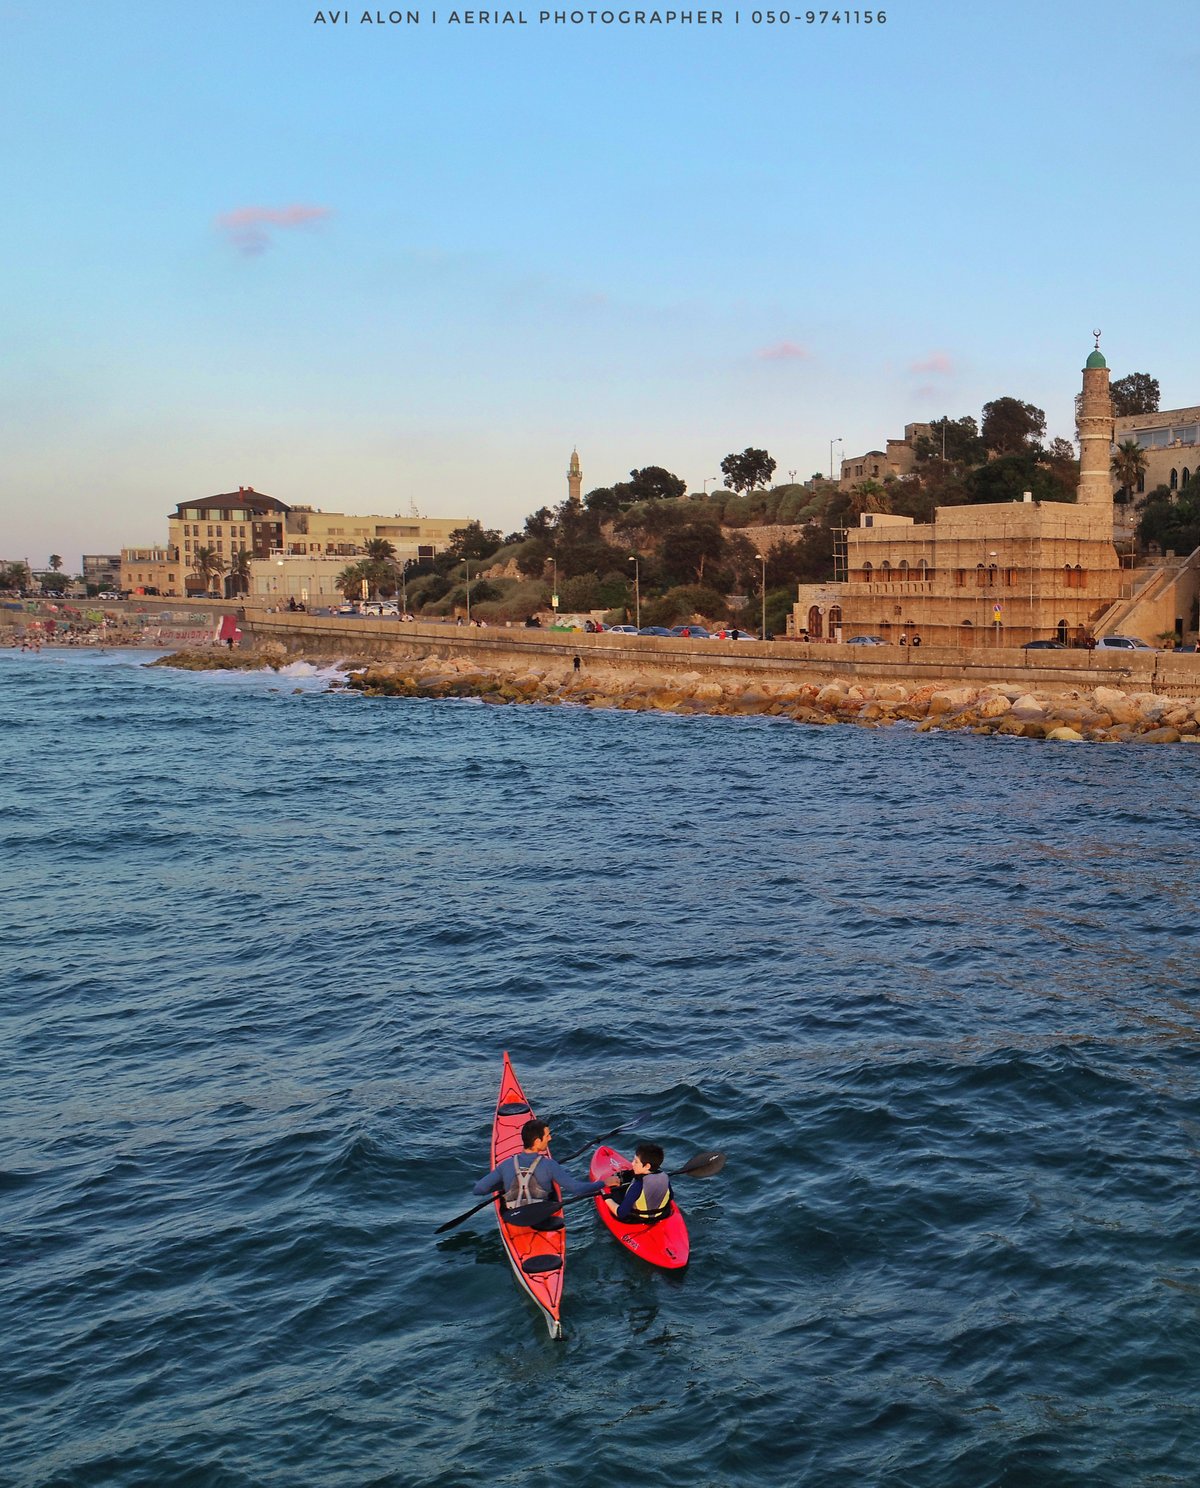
(450, 1223)
(616, 1131)
(703, 1165)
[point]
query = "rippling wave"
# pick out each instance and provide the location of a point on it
(935, 997)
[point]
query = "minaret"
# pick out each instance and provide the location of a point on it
(574, 477)
(1094, 424)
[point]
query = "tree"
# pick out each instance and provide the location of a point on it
(604, 503)
(379, 549)
(1011, 427)
(15, 576)
(747, 471)
(869, 496)
(1137, 393)
(956, 440)
(1129, 466)
(239, 570)
(207, 566)
(653, 483)
(350, 580)
(689, 548)
(540, 524)
(473, 541)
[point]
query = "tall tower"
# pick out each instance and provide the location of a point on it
(575, 475)
(1094, 424)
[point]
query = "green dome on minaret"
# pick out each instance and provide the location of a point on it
(1096, 359)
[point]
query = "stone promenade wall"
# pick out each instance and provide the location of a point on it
(334, 638)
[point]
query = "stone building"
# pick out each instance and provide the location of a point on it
(574, 477)
(899, 458)
(1002, 573)
(1171, 442)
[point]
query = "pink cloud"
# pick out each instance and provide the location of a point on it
(936, 361)
(250, 229)
(783, 351)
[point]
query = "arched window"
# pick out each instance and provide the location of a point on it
(1141, 482)
(885, 571)
(868, 572)
(1068, 576)
(904, 564)
(991, 575)
(835, 618)
(980, 576)
(1174, 479)
(1080, 577)
(1187, 475)
(1061, 628)
(814, 622)
(922, 569)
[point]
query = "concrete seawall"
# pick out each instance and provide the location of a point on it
(334, 638)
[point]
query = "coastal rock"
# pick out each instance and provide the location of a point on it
(1066, 734)
(995, 706)
(1028, 709)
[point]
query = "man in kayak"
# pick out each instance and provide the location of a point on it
(530, 1175)
(647, 1196)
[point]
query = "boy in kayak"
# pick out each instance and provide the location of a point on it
(647, 1189)
(531, 1175)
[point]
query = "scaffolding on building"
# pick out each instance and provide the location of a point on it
(841, 561)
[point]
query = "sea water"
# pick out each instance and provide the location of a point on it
(933, 995)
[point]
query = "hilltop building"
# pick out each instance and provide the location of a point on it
(1171, 441)
(996, 574)
(899, 458)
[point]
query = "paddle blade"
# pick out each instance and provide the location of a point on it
(703, 1165)
(458, 1218)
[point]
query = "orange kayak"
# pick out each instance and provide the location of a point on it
(538, 1257)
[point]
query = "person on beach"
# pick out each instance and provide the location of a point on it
(532, 1174)
(645, 1194)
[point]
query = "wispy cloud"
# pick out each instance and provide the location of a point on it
(940, 362)
(783, 351)
(251, 230)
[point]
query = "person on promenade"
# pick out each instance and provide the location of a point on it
(645, 1190)
(916, 640)
(532, 1174)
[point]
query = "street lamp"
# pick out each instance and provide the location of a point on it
(763, 632)
(791, 477)
(404, 587)
(637, 589)
(706, 481)
(832, 442)
(554, 587)
(467, 565)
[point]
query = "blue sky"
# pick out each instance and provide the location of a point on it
(362, 266)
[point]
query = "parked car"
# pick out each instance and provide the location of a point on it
(108, 594)
(868, 640)
(732, 633)
(1121, 643)
(654, 630)
(692, 632)
(379, 607)
(1043, 646)
(621, 630)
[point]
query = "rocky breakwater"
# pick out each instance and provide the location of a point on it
(1093, 714)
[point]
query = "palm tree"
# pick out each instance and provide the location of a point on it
(55, 562)
(207, 565)
(1129, 465)
(379, 550)
(239, 571)
(350, 580)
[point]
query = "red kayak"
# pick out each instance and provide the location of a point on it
(663, 1243)
(538, 1257)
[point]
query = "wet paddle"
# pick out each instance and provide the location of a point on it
(450, 1223)
(616, 1131)
(703, 1165)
